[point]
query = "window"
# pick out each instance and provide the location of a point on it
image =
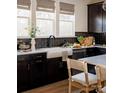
(22, 22)
(67, 25)
(45, 23)
(67, 20)
(45, 17)
(23, 14)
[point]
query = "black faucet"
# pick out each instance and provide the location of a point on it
(50, 42)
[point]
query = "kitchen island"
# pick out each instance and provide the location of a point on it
(95, 60)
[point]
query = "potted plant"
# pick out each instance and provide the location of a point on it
(32, 32)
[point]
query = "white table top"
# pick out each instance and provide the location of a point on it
(100, 59)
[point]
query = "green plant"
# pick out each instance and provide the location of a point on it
(32, 31)
(80, 38)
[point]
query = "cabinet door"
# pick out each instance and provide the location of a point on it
(101, 51)
(52, 70)
(56, 70)
(22, 73)
(38, 70)
(95, 18)
(91, 52)
(79, 53)
(63, 71)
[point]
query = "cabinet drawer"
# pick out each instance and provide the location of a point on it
(79, 53)
(102, 50)
(22, 58)
(38, 57)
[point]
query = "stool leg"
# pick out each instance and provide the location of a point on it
(69, 90)
(87, 90)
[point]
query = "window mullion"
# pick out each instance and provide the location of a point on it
(57, 11)
(33, 13)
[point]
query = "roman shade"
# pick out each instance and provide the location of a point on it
(23, 4)
(45, 5)
(66, 8)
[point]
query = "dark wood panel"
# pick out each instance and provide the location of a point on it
(56, 70)
(35, 70)
(31, 71)
(22, 73)
(96, 18)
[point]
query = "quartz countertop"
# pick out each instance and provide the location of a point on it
(99, 46)
(55, 51)
(51, 52)
(100, 59)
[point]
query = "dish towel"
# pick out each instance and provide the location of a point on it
(64, 55)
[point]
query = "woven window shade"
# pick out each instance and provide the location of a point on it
(66, 8)
(25, 4)
(45, 5)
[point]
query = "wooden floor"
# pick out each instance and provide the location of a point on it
(59, 87)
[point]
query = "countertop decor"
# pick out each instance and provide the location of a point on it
(32, 32)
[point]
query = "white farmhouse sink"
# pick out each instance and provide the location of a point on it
(57, 52)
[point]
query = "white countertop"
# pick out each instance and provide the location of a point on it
(51, 52)
(99, 46)
(100, 59)
(54, 51)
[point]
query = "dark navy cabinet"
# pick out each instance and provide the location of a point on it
(23, 80)
(96, 18)
(31, 71)
(35, 70)
(56, 70)
(38, 69)
(88, 52)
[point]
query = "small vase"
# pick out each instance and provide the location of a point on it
(33, 44)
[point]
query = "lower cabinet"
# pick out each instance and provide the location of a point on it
(91, 51)
(34, 70)
(56, 70)
(38, 70)
(31, 71)
(22, 74)
(79, 53)
(88, 52)
(101, 51)
(52, 70)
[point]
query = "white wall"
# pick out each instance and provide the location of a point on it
(80, 14)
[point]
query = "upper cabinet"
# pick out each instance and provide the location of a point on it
(96, 18)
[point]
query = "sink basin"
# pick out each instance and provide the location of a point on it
(54, 49)
(57, 52)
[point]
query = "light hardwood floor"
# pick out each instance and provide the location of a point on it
(58, 87)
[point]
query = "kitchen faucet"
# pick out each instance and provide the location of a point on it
(50, 42)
